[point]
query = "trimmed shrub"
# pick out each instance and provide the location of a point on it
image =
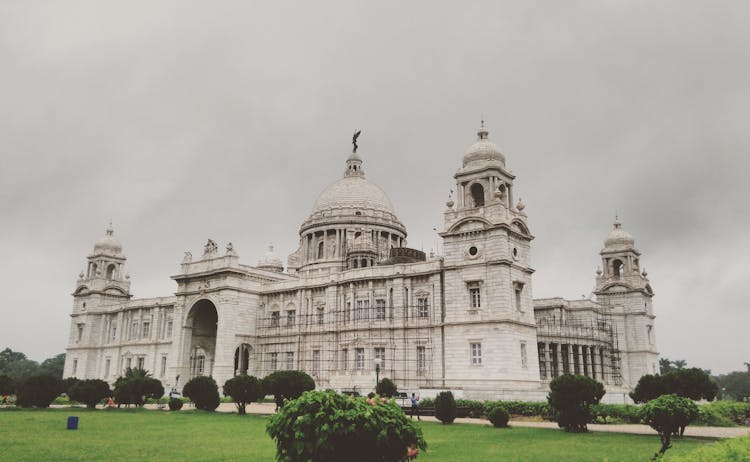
(726, 450)
(7, 385)
(136, 386)
(571, 396)
(327, 426)
(476, 408)
(244, 390)
(723, 411)
(89, 392)
(445, 407)
(203, 391)
(691, 383)
(286, 385)
(38, 391)
(615, 413)
(175, 404)
(498, 416)
(386, 388)
(68, 384)
(669, 415)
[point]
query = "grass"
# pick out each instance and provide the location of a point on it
(137, 434)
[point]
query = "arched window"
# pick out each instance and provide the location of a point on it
(320, 250)
(92, 273)
(111, 272)
(617, 268)
(477, 194)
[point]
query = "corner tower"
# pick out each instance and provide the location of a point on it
(104, 286)
(623, 287)
(490, 331)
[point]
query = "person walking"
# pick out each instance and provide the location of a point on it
(415, 406)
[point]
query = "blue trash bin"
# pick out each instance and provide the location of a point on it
(73, 423)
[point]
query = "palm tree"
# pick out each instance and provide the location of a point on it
(665, 365)
(679, 364)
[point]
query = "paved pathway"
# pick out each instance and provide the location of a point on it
(703, 432)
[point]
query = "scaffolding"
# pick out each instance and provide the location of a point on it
(338, 346)
(581, 343)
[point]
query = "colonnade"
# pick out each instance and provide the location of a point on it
(592, 361)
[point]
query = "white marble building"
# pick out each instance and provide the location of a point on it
(353, 296)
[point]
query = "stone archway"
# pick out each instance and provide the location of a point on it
(242, 355)
(203, 320)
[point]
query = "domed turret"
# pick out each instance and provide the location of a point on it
(618, 237)
(483, 150)
(271, 261)
(108, 245)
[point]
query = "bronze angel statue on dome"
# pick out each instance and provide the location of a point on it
(354, 140)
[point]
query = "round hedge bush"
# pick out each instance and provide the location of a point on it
(204, 392)
(39, 391)
(386, 388)
(498, 416)
(175, 404)
(89, 392)
(445, 407)
(327, 426)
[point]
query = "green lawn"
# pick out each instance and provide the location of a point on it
(118, 435)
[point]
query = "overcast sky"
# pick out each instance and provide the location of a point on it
(181, 121)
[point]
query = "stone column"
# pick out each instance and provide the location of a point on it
(571, 359)
(543, 373)
(558, 371)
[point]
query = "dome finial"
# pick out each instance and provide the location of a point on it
(482, 133)
(110, 231)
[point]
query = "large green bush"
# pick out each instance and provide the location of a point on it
(244, 390)
(7, 385)
(323, 426)
(571, 397)
(38, 391)
(615, 413)
(204, 392)
(498, 416)
(445, 407)
(89, 392)
(286, 385)
(68, 384)
(386, 388)
(727, 450)
(691, 383)
(669, 415)
(175, 404)
(136, 386)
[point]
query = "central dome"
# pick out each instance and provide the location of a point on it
(353, 192)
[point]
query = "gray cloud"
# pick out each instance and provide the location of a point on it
(183, 120)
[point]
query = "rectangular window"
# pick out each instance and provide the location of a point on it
(348, 312)
(146, 330)
(290, 360)
(320, 315)
(475, 297)
(201, 364)
(476, 353)
(380, 309)
(359, 359)
(541, 349)
(524, 360)
(114, 332)
(518, 288)
(141, 360)
(274, 361)
(163, 370)
(128, 363)
(316, 362)
(421, 359)
(422, 307)
(106, 368)
(274, 319)
(380, 354)
(363, 308)
(344, 359)
(169, 328)
(80, 332)
(133, 330)
(291, 316)
(75, 367)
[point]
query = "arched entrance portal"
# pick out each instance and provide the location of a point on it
(242, 359)
(203, 319)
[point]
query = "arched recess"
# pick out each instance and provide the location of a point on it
(203, 320)
(242, 356)
(477, 194)
(111, 269)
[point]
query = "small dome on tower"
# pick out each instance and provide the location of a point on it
(483, 149)
(271, 261)
(108, 244)
(619, 237)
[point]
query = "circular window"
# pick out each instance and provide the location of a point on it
(473, 250)
(358, 213)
